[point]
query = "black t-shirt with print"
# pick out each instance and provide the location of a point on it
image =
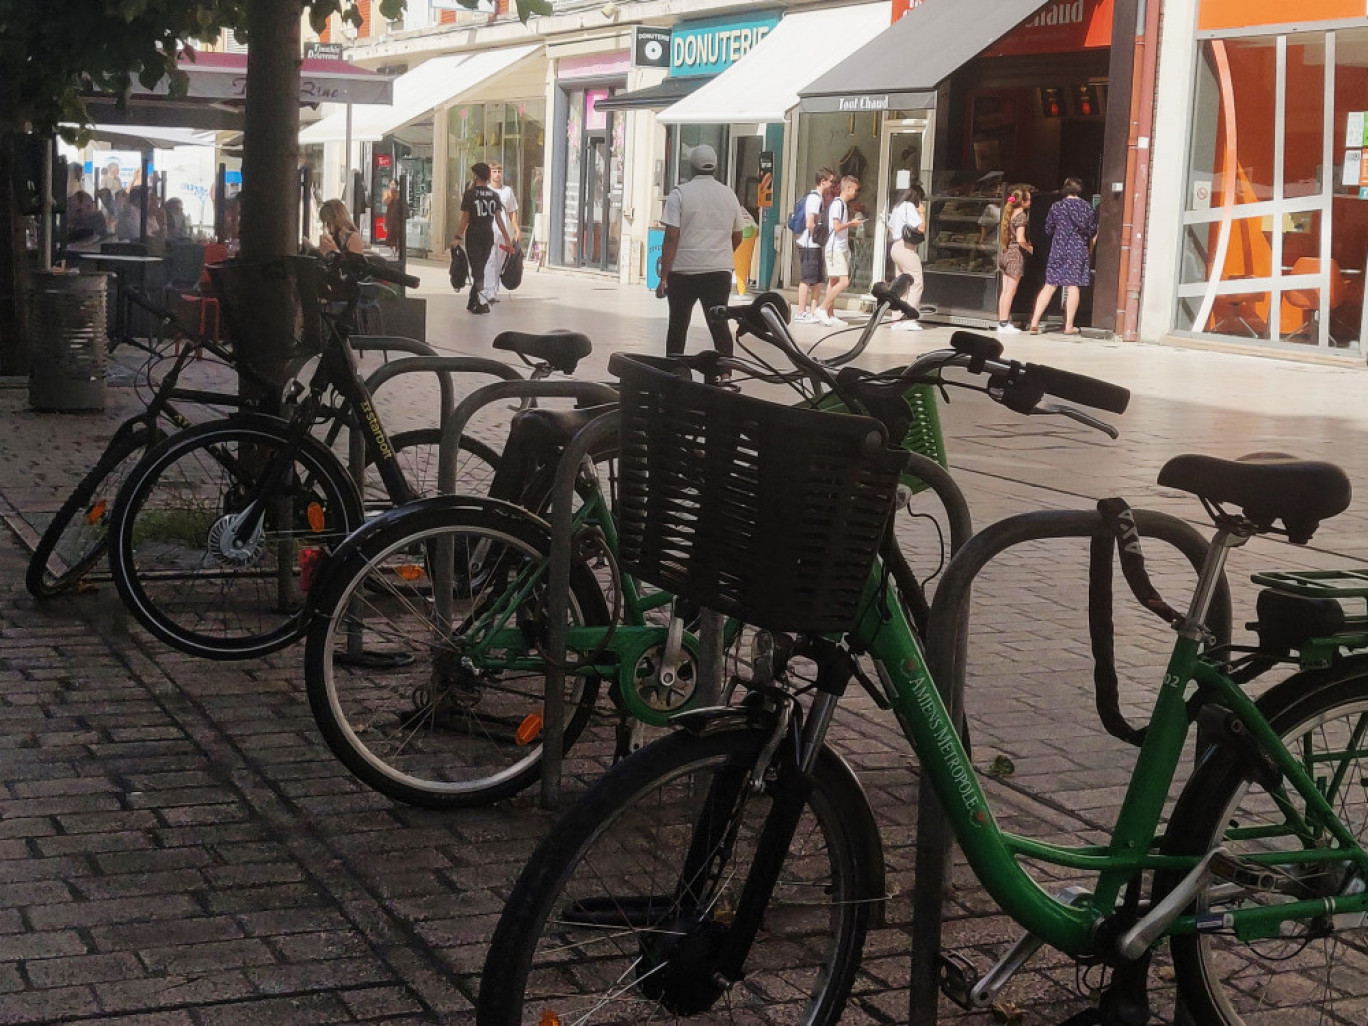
(482, 203)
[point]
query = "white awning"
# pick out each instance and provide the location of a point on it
(416, 94)
(763, 85)
(147, 137)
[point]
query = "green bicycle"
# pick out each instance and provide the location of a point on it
(427, 647)
(729, 872)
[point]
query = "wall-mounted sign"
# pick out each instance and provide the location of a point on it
(901, 7)
(1215, 15)
(322, 51)
(711, 46)
(650, 47)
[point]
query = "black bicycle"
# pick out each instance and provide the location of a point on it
(75, 539)
(216, 533)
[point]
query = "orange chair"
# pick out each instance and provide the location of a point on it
(1307, 301)
(203, 296)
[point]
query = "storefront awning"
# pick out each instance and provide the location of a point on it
(416, 94)
(763, 85)
(147, 137)
(671, 91)
(902, 66)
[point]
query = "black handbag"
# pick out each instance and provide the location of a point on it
(913, 236)
(511, 275)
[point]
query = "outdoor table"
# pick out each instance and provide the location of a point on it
(120, 264)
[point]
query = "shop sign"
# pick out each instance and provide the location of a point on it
(901, 7)
(711, 46)
(1063, 26)
(650, 47)
(865, 101)
(1214, 15)
(322, 51)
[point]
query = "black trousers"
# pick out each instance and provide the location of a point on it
(711, 288)
(478, 249)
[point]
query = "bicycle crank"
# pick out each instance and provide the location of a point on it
(651, 689)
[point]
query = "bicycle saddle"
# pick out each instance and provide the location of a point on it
(561, 350)
(1267, 486)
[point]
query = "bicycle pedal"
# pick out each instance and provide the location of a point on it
(957, 977)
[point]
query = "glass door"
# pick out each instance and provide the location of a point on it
(594, 188)
(905, 156)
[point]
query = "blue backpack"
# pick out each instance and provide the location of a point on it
(797, 221)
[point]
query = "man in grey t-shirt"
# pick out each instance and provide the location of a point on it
(703, 222)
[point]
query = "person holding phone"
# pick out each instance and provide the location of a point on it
(839, 219)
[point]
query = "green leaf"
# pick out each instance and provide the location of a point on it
(1001, 766)
(527, 8)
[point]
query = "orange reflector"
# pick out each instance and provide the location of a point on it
(317, 518)
(528, 730)
(410, 571)
(96, 511)
(549, 1019)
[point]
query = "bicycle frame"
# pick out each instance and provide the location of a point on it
(610, 652)
(995, 855)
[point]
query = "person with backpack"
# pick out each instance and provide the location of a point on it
(809, 223)
(481, 209)
(839, 222)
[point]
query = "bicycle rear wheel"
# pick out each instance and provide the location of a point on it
(623, 905)
(182, 555)
(439, 704)
(78, 534)
(1315, 970)
(417, 452)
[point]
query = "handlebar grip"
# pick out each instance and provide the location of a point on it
(381, 271)
(893, 293)
(1080, 389)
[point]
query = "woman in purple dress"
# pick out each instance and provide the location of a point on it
(1072, 227)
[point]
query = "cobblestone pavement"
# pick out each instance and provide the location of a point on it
(177, 846)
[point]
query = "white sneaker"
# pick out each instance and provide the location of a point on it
(1008, 329)
(831, 321)
(803, 318)
(908, 326)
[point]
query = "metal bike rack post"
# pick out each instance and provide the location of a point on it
(558, 602)
(946, 656)
(442, 366)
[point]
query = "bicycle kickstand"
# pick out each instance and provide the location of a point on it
(1124, 1001)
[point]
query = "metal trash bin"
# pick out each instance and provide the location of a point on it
(70, 347)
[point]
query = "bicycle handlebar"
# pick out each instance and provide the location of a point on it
(360, 264)
(892, 295)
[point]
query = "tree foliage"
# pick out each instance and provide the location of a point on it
(53, 53)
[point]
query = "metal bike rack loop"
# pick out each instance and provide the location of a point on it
(576, 451)
(443, 367)
(946, 656)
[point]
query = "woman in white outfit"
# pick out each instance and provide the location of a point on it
(905, 218)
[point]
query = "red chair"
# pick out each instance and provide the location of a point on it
(1307, 301)
(202, 296)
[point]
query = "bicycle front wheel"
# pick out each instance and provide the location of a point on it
(211, 556)
(1313, 970)
(624, 905)
(439, 703)
(77, 536)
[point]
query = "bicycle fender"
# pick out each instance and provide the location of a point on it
(394, 519)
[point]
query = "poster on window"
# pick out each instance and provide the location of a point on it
(1353, 161)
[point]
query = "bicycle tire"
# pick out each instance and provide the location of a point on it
(1222, 979)
(78, 534)
(417, 452)
(620, 915)
(380, 712)
(168, 548)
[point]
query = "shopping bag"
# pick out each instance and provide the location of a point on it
(511, 275)
(460, 268)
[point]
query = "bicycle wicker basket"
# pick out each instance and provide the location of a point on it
(295, 284)
(768, 513)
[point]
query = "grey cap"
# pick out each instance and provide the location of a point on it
(703, 158)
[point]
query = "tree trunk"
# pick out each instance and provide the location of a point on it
(270, 208)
